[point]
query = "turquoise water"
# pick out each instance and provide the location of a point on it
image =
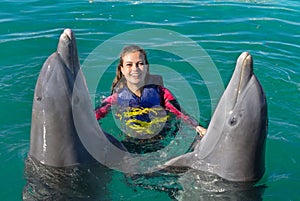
(268, 29)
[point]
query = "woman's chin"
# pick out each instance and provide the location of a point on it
(136, 82)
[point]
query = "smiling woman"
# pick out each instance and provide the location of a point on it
(143, 106)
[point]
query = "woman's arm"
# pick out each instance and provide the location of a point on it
(102, 110)
(173, 106)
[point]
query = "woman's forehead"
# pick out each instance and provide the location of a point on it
(133, 57)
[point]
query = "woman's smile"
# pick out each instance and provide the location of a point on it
(135, 75)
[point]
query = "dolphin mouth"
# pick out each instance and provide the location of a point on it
(67, 49)
(245, 73)
(68, 33)
(66, 36)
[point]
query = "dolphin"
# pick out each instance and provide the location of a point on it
(54, 140)
(234, 144)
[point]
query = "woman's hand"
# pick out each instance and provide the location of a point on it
(201, 131)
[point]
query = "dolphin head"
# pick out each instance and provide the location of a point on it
(234, 144)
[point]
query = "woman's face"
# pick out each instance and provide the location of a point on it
(134, 68)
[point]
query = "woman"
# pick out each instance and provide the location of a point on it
(142, 104)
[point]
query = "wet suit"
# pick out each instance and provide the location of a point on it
(145, 119)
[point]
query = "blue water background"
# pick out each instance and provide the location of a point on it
(269, 30)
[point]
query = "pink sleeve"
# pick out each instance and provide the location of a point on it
(172, 105)
(105, 106)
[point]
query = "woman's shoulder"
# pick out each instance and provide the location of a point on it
(111, 99)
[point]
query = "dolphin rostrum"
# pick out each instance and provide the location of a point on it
(234, 144)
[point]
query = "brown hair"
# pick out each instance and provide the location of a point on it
(128, 49)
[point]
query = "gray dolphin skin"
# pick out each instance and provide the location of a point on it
(234, 145)
(54, 140)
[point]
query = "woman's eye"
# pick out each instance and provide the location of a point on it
(140, 64)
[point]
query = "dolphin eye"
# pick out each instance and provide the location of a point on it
(232, 121)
